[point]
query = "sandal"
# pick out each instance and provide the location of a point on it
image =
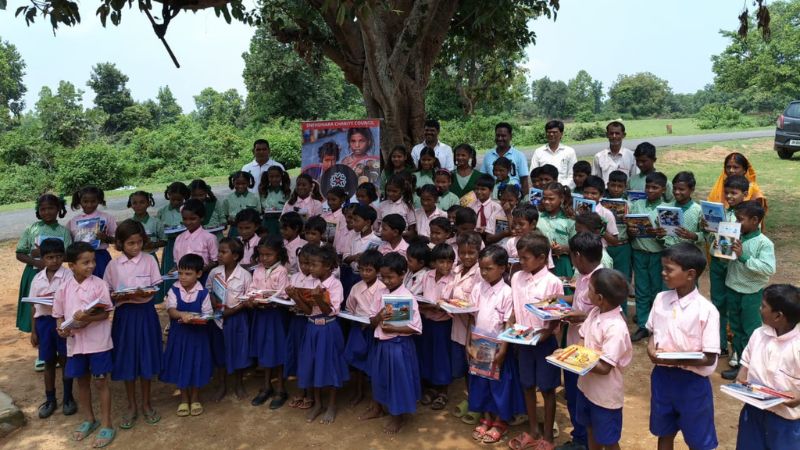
(440, 402)
(307, 403)
(183, 410)
(278, 400)
(460, 409)
(84, 430)
(480, 431)
(295, 402)
(524, 441)
(197, 409)
(427, 397)
(128, 421)
(471, 417)
(496, 433)
(152, 417)
(104, 437)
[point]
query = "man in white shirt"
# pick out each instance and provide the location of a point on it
(431, 139)
(260, 163)
(555, 153)
(615, 157)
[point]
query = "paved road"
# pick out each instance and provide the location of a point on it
(12, 223)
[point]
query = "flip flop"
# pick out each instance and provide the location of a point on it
(523, 441)
(278, 400)
(183, 410)
(128, 421)
(471, 417)
(38, 366)
(85, 429)
(107, 435)
(480, 431)
(440, 402)
(197, 409)
(295, 402)
(460, 409)
(496, 433)
(307, 403)
(152, 417)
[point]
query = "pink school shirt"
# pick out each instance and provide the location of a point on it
(189, 296)
(401, 248)
(363, 300)
(42, 287)
(342, 242)
(250, 249)
(491, 209)
(424, 220)
(139, 271)
(272, 278)
(72, 297)
(110, 228)
(495, 305)
(291, 248)
(338, 218)
(336, 293)
(387, 207)
(527, 288)
(200, 242)
(433, 289)
(413, 281)
(237, 284)
(687, 324)
(611, 221)
(416, 322)
(580, 302)
(461, 288)
(359, 245)
(774, 361)
(511, 248)
(306, 207)
(606, 333)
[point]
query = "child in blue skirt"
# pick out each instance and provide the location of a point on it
(228, 282)
(361, 302)
(268, 329)
(88, 199)
(187, 358)
(394, 369)
(498, 400)
(297, 325)
(136, 331)
(321, 363)
(170, 216)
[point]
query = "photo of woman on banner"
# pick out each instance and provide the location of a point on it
(361, 146)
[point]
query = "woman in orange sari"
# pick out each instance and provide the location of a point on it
(737, 164)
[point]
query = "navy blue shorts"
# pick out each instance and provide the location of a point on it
(681, 400)
(606, 424)
(534, 371)
(98, 364)
(760, 429)
(51, 345)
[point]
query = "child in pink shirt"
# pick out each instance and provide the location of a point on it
(195, 239)
(465, 276)
(394, 369)
(297, 325)
(88, 199)
(486, 208)
(771, 359)
(428, 196)
(337, 230)
(246, 223)
(418, 256)
(88, 339)
(399, 193)
(291, 228)
(306, 200)
(682, 320)
(593, 188)
(392, 230)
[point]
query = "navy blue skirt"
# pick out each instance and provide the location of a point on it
(268, 336)
(101, 258)
(360, 343)
(321, 361)
(187, 358)
(216, 342)
(395, 375)
(236, 333)
(458, 360)
(503, 397)
(294, 341)
(434, 348)
(136, 333)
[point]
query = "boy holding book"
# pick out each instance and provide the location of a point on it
(690, 231)
(647, 252)
(683, 321)
(484, 206)
(769, 359)
(747, 277)
(645, 154)
(621, 252)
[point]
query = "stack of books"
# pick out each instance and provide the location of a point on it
(575, 358)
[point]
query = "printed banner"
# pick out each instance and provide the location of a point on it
(343, 153)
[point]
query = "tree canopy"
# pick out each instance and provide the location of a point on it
(641, 94)
(12, 89)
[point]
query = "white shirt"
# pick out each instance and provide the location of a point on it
(256, 171)
(562, 159)
(604, 163)
(444, 153)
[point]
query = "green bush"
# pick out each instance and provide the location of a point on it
(23, 183)
(478, 131)
(719, 116)
(584, 116)
(284, 142)
(97, 164)
(586, 131)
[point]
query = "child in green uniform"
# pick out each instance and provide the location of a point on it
(580, 171)
(170, 217)
(647, 252)
(240, 199)
(621, 252)
(442, 179)
(557, 224)
(691, 232)
(274, 188)
(215, 215)
(427, 164)
(645, 155)
(139, 201)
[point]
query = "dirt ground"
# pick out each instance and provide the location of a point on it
(238, 425)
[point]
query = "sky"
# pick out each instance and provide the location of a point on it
(674, 39)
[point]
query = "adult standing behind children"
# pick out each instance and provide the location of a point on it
(519, 164)
(430, 138)
(615, 157)
(260, 163)
(555, 153)
(737, 164)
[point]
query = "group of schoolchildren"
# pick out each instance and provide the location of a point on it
(435, 235)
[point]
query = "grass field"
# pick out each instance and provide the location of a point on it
(658, 127)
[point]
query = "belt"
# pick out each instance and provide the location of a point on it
(321, 320)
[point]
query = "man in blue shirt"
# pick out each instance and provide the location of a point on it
(519, 163)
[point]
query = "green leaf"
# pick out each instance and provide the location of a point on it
(3, 4)
(20, 10)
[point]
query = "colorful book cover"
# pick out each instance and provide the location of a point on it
(400, 307)
(468, 199)
(549, 309)
(500, 224)
(535, 195)
(713, 213)
(670, 218)
(458, 306)
(722, 245)
(177, 229)
(486, 347)
(617, 206)
(330, 231)
(520, 334)
(87, 231)
(582, 206)
(643, 224)
(756, 395)
(219, 288)
(307, 294)
(575, 358)
(637, 195)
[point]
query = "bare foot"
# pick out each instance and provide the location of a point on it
(312, 413)
(393, 425)
(356, 399)
(329, 416)
(239, 392)
(222, 390)
(373, 412)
